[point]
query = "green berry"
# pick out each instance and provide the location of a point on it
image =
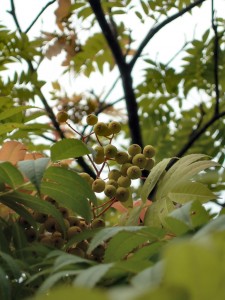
(110, 151)
(64, 211)
(149, 151)
(139, 160)
(31, 234)
(121, 157)
(72, 231)
(124, 168)
(100, 129)
(124, 181)
(98, 185)
(47, 241)
(62, 116)
(84, 175)
(40, 217)
(149, 164)
(112, 182)
(99, 155)
(58, 242)
(98, 223)
(110, 190)
(91, 119)
(114, 127)
(83, 245)
(50, 224)
(122, 194)
(74, 221)
(134, 149)
(134, 172)
(98, 252)
(114, 174)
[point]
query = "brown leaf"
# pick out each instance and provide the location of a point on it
(13, 152)
(33, 156)
(62, 12)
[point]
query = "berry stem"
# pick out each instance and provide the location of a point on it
(113, 200)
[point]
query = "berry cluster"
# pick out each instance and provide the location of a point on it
(50, 234)
(130, 163)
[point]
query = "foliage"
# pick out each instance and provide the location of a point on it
(108, 202)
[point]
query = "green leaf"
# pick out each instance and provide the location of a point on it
(13, 111)
(124, 242)
(91, 276)
(69, 189)
(153, 178)
(68, 148)
(68, 293)
(149, 277)
(34, 170)
(35, 203)
(12, 264)
(54, 278)
(107, 233)
(5, 288)
(188, 191)
(10, 175)
(67, 260)
(214, 225)
(190, 265)
(182, 170)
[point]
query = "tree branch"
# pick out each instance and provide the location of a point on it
(13, 13)
(47, 107)
(125, 72)
(216, 60)
(158, 27)
(38, 15)
(198, 133)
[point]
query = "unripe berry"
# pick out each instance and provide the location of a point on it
(47, 241)
(99, 150)
(58, 242)
(59, 228)
(98, 185)
(112, 182)
(83, 245)
(74, 221)
(121, 157)
(100, 129)
(114, 174)
(110, 151)
(98, 223)
(64, 211)
(114, 127)
(98, 252)
(99, 155)
(134, 149)
(139, 160)
(149, 164)
(91, 119)
(77, 251)
(72, 231)
(124, 168)
(110, 190)
(149, 151)
(124, 181)
(50, 224)
(40, 217)
(62, 116)
(122, 194)
(30, 234)
(134, 172)
(84, 175)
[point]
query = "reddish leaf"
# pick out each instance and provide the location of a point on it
(13, 152)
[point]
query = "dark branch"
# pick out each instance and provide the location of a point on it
(38, 15)
(216, 60)
(198, 133)
(13, 13)
(125, 72)
(158, 27)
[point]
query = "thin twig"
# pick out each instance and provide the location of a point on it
(13, 13)
(216, 60)
(158, 27)
(38, 15)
